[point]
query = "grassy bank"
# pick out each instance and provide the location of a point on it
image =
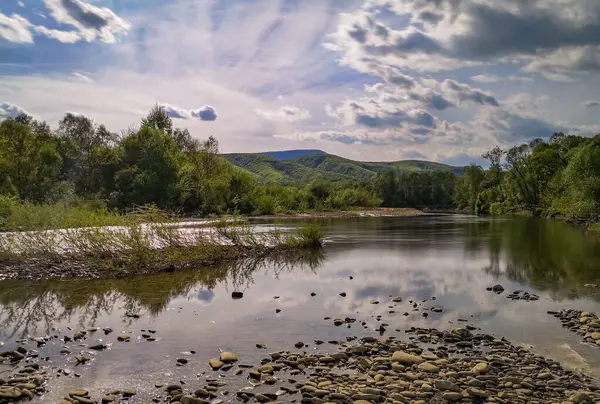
(145, 241)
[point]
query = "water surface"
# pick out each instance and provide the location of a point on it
(450, 258)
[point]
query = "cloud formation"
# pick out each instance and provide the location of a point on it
(205, 113)
(287, 113)
(91, 22)
(490, 78)
(15, 29)
(445, 34)
(8, 110)
(591, 103)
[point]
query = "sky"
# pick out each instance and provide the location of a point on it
(374, 80)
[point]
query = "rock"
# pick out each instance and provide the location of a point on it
(338, 322)
(10, 393)
(215, 364)
(192, 400)
(452, 396)
(299, 345)
(428, 367)
(374, 302)
(406, 358)
(497, 288)
(108, 399)
(79, 392)
(266, 369)
(313, 294)
(129, 392)
(277, 311)
(123, 338)
(580, 397)
(396, 299)
(182, 361)
(81, 358)
(444, 385)
(595, 336)
(481, 368)
(228, 357)
(98, 347)
(237, 295)
(343, 294)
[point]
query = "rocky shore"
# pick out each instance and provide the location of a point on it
(421, 366)
(583, 323)
(433, 366)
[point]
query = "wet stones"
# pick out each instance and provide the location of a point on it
(585, 324)
(215, 364)
(237, 295)
(123, 338)
(228, 357)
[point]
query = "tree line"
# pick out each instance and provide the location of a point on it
(156, 163)
(555, 178)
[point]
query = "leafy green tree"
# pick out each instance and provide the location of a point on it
(29, 163)
(148, 171)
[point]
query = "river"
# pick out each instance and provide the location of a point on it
(446, 262)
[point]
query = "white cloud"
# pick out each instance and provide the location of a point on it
(61, 36)
(21, 4)
(490, 78)
(8, 110)
(591, 103)
(15, 29)
(205, 113)
(83, 77)
(558, 77)
(287, 113)
(92, 22)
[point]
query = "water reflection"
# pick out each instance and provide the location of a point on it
(27, 307)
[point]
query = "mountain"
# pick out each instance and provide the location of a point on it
(313, 165)
(290, 154)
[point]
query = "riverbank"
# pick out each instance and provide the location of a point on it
(144, 248)
(434, 366)
(375, 212)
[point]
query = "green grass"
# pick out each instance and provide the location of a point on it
(23, 216)
(328, 167)
(145, 241)
(309, 235)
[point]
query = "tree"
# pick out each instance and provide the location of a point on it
(159, 120)
(29, 162)
(148, 170)
(83, 145)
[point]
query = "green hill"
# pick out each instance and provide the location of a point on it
(323, 166)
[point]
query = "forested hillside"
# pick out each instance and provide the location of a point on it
(311, 165)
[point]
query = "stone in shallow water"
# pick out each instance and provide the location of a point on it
(228, 357)
(79, 392)
(215, 364)
(123, 337)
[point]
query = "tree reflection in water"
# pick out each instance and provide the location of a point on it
(548, 255)
(28, 306)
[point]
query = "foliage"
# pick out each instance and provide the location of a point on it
(319, 166)
(415, 189)
(309, 235)
(560, 177)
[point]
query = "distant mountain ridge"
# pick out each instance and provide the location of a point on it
(304, 166)
(290, 154)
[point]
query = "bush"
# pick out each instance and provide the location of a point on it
(496, 209)
(309, 235)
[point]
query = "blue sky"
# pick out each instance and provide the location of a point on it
(442, 80)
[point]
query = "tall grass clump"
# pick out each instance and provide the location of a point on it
(309, 235)
(18, 215)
